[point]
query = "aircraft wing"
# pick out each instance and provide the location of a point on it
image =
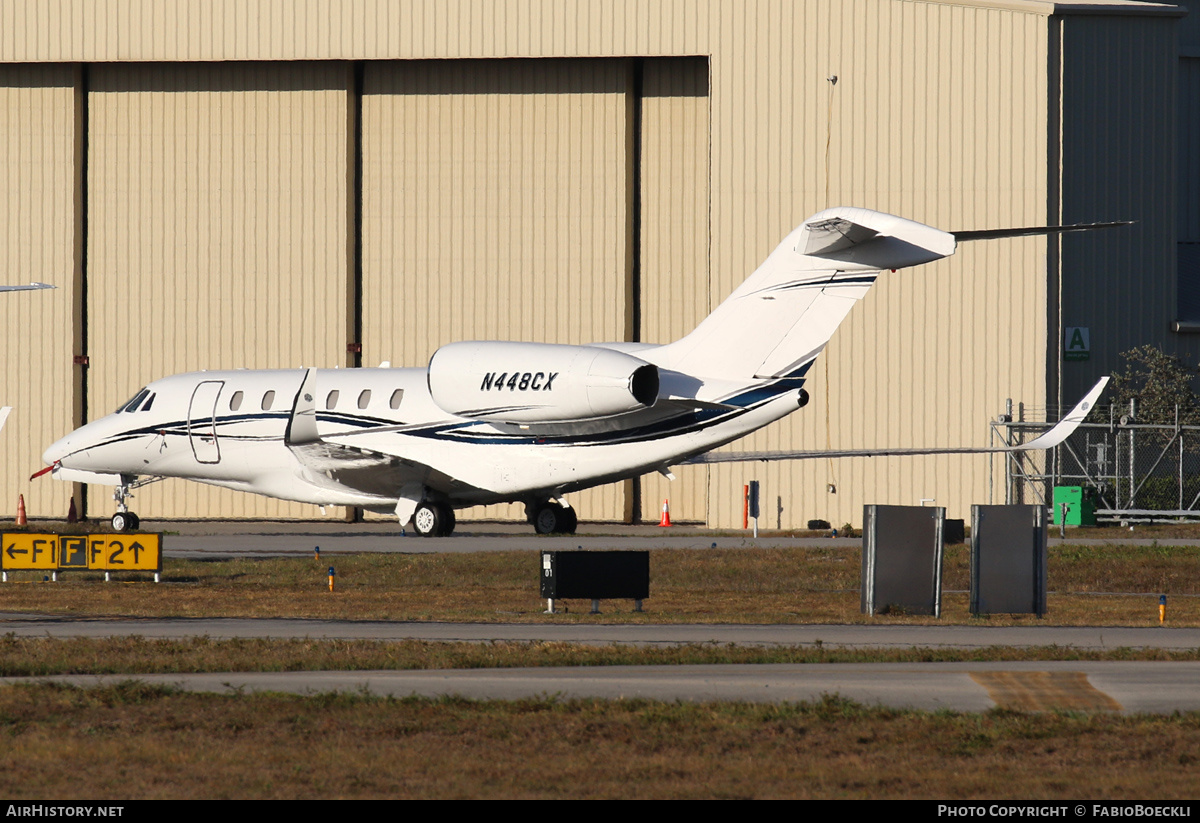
(30, 287)
(1057, 434)
(336, 465)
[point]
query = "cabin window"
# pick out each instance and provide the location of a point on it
(235, 402)
(397, 396)
(364, 398)
(331, 399)
(268, 399)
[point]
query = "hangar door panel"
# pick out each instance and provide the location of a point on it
(39, 236)
(675, 290)
(217, 236)
(496, 207)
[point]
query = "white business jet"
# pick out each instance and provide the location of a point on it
(489, 422)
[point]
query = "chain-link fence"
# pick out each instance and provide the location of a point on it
(1138, 471)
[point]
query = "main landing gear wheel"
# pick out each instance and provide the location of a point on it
(433, 520)
(551, 518)
(126, 522)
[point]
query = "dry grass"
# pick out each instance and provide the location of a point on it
(132, 741)
(806, 585)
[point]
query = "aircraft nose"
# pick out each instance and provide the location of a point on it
(57, 450)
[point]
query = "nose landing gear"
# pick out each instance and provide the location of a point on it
(124, 520)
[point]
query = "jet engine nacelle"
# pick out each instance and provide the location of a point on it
(538, 382)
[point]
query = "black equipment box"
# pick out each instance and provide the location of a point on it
(589, 575)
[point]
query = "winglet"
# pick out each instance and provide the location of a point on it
(302, 425)
(1066, 427)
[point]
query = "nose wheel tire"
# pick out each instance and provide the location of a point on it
(126, 522)
(551, 518)
(433, 520)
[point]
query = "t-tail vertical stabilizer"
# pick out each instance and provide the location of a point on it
(777, 322)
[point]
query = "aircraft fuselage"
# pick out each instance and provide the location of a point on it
(229, 428)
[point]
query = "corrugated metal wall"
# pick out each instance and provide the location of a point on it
(496, 207)
(1118, 163)
(1189, 147)
(675, 274)
(1189, 128)
(938, 114)
(218, 229)
(39, 241)
(209, 30)
(205, 185)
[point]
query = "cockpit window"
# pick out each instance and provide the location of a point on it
(133, 402)
(149, 402)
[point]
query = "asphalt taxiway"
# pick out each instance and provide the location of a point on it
(219, 540)
(1129, 687)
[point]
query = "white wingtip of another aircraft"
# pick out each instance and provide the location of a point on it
(30, 287)
(1065, 428)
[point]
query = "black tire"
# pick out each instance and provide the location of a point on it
(122, 522)
(428, 520)
(551, 518)
(449, 521)
(136, 522)
(570, 521)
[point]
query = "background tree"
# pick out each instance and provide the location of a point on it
(1158, 381)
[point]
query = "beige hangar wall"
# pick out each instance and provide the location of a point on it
(39, 241)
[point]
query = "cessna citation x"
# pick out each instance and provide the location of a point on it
(489, 422)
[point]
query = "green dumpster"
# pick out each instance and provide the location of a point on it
(1080, 503)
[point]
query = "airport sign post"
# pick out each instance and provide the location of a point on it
(141, 552)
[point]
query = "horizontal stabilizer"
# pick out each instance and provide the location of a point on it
(835, 234)
(1056, 435)
(1029, 231)
(868, 239)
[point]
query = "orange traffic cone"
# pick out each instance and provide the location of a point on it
(21, 519)
(666, 518)
(72, 512)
